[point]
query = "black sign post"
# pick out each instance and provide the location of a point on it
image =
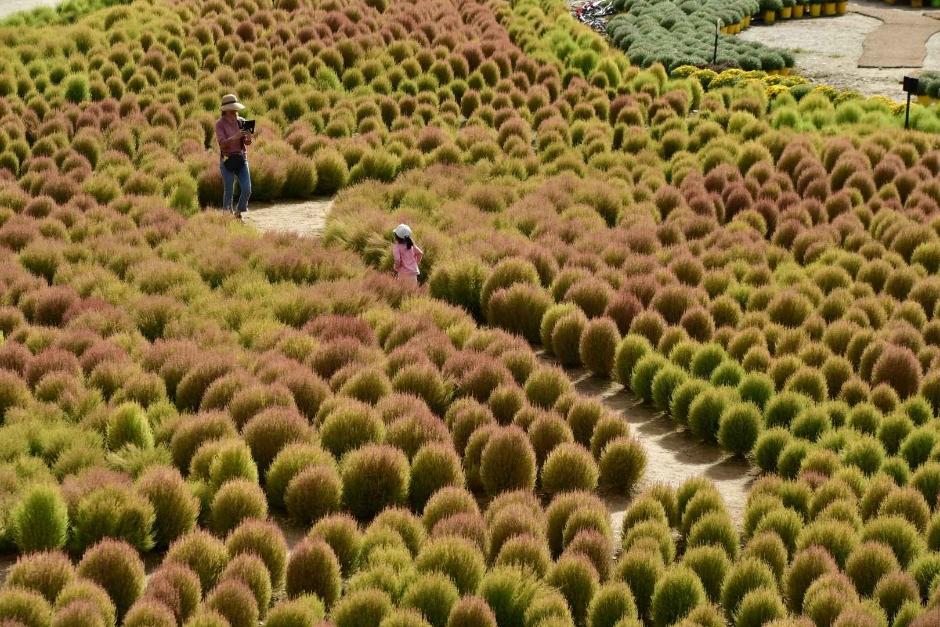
(717, 30)
(911, 86)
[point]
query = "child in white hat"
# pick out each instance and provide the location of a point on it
(407, 256)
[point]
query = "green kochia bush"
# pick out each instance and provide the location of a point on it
(40, 519)
(116, 567)
(374, 477)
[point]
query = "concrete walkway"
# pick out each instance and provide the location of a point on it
(901, 39)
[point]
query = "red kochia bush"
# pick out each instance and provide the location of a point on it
(899, 368)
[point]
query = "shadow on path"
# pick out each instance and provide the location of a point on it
(673, 455)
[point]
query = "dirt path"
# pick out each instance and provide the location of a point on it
(9, 7)
(868, 50)
(673, 455)
(901, 39)
(304, 217)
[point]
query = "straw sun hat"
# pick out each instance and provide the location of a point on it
(230, 103)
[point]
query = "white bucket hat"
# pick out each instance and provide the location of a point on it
(230, 103)
(402, 231)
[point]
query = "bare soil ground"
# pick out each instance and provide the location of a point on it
(673, 455)
(8, 7)
(304, 217)
(869, 49)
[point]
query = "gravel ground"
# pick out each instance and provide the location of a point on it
(828, 50)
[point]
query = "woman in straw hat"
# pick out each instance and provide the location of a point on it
(233, 142)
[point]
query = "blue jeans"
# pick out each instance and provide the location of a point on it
(228, 187)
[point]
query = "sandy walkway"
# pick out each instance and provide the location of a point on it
(870, 49)
(673, 455)
(900, 41)
(8, 7)
(304, 217)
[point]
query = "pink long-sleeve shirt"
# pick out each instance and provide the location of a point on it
(227, 134)
(407, 260)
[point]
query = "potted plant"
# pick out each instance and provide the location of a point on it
(769, 8)
(829, 8)
(786, 11)
(815, 8)
(842, 7)
(917, 3)
(798, 9)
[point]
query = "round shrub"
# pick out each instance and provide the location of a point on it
(435, 466)
(304, 611)
(76, 614)
(342, 533)
(868, 563)
(576, 578)
(715, 529)
(82, 592)
(177, 587)
(362, 608)
(568, 467)
(630, 350)
(116, 567)
(314, 569)
(46, 573)
(711, 564)
(374, 477)
(149, 613)
(706, 359)
(448, 502)
(665, 383)
(768, 447)
(251, 571)
(757, 388)
(745, 576)
(545, 386)
(289, 462)
(894, 590)
(347, 429)
(175, 507)
(640, 570)
(525, 551)
(677, 593)
(612, 603)
(759, 607)
(807, 566)
(456, 558)
(236, 501)
(313, 493)
(784, 407)
(705, 414)
(739, 428)
(508, 462)
(268, 432)
(24, 607)
(264, 539)
(433, 597)
(566, 338)
(599, 343)
(207, 618)
(39, 521)
(898, 367)
(622, 465)
(683, 397)
(897, 533)
(645, 371)
(234, 600)
(471, 611)
(203, 553)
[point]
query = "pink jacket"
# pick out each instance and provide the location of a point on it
(406, 261)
